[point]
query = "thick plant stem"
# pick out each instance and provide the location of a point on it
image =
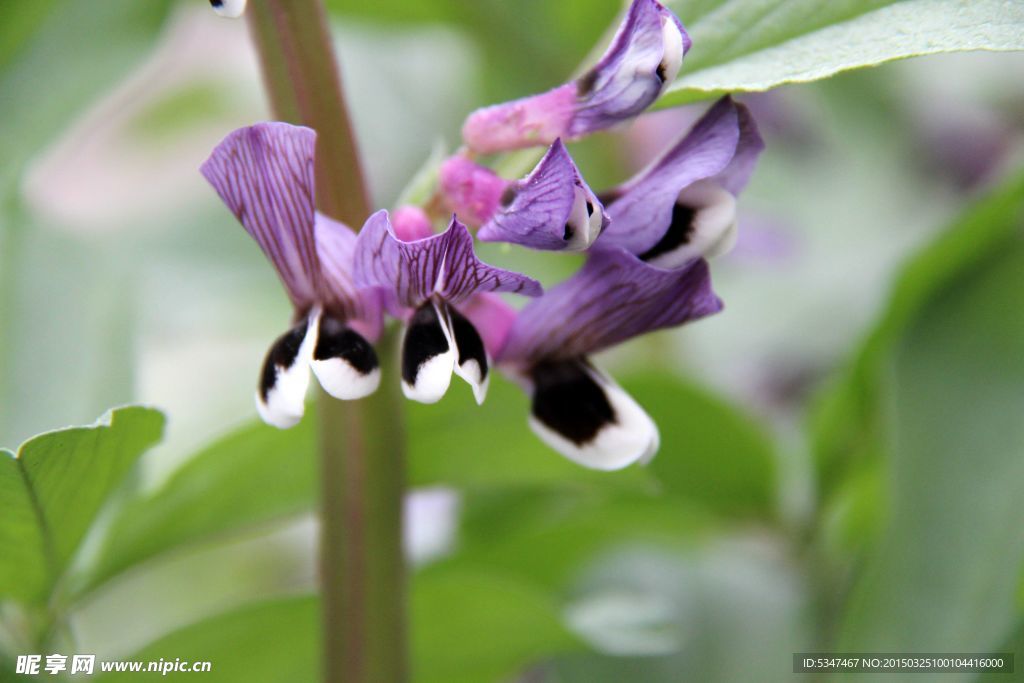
(301, 76)
(362, 572)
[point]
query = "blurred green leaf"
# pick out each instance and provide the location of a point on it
(546, 536)
(755, 45)
(70, 52)
(528, 45)
(945, 573)
(52, 491)
(848, 423)
(254, 475)
(265, 642)
(63, 56)
(474, 626)
(710, 452)
(465, 628)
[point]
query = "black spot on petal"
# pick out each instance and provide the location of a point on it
(282, 355)
(590, 208)
(338, 340)
(217, 4)
(508, 196)
(679, 233)
(569, 401)
(569, 232)
(585, 83)
(424, 339)
(468, 341)
(660, 72)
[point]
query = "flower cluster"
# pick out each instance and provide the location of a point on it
(646, 242)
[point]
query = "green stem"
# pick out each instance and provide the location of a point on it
(362, 570)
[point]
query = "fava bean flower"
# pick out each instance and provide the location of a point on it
(425, 280)
(264, 173)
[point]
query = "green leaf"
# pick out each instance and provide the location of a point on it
(465, 628)
(475, 626)
(267, 642)
(710, 452)
(945, 574)
(545, 536)
(755, 45)
(53, 489)
(847, 424)
(255, 475)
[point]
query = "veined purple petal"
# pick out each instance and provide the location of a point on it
(264, 173)
(361, 308)
(645, 208)
(644, 57)
(464, 274)
(551, 208)
(614, 297)
(471, 191)
(442, 265)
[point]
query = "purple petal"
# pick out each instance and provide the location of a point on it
(442, 265)
(641, 211)
(335, 246)
(552, 208)
(264, 173)
(735, 176)
(643, 59)
(464, 274)
(470, 190)
(408, 269)
(614, 297)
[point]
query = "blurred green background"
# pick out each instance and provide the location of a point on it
(842, 458)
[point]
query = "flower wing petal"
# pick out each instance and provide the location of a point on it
(641, 212)
(614, 297)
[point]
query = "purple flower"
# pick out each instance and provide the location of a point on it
(551, 208)
(644, 57)
(426, 281)
(683, 205)
(264, 173)
(577, 409)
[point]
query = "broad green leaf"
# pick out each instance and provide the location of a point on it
(847, 424)
(755, 45)
(53, 489)
(465, 628)
(255, 475)
(710, 452)
(945, 573)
